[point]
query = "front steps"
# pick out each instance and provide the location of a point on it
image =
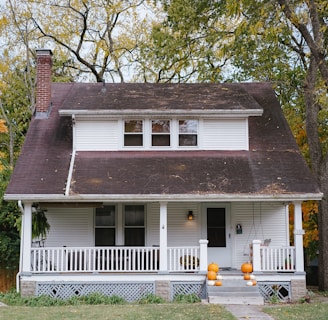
(234, 290)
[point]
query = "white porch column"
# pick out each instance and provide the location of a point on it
(163, 237)
(203, 255)
(26, 237)
(256, 256)
(298, 237)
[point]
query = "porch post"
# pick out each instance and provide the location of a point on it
(163, 237)
(256, 256)
(203, 255)
(26, 237)
(298, 237)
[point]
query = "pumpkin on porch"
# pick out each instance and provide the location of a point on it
(247, 267)
(211, 275)
(218, 283)
(213, 267)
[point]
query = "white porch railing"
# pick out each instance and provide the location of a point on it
(273, 258)
(94, 259)
(184, 259)
(111, 259)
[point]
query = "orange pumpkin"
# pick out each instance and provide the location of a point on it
(254, 282)
(218, 283)
(247, 267)
(213, 267)
(247, 276)
(211, 275)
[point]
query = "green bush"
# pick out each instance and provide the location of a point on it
(187, 298)
(151, 299)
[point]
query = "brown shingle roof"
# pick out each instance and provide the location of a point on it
(273, 165)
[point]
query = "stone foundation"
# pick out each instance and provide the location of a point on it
(298, 289)
(162, 289)
(27, 288)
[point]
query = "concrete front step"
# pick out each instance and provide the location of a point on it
(234, 290)
(237, 300)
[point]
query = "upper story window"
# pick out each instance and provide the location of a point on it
(160, 133)
(188, 130)
(133, 133)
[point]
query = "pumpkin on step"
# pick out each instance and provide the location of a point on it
(247, 267)
(218, 283)
(213, 267)
(211, 275)
(247, 276)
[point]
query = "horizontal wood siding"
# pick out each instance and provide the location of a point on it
(70, 227)
(259, 221)
(99, 135)
(152, 238)
(181, 231)
(225, 134)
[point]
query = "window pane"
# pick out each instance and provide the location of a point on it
(160, 126)
(133, 140)
(160, 140)
(134, 237)
(188, 126)
(134, 215)
(105, 216)
(133, 126)
(216, 227)
(187, 140)
(105, 237)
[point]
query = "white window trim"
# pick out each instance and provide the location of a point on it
(147, 135)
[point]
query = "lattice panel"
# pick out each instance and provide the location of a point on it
(198, 288)
(129, 291)
(275, 291)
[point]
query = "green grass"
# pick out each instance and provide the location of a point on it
(126, 312)
(317, 311)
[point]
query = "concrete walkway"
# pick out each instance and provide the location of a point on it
(249, 312)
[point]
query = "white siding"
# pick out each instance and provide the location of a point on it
(225, 134)
(96, 134)
(70, 227)
(181, 232)
(259, 221)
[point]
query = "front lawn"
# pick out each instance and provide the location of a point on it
(170, 311)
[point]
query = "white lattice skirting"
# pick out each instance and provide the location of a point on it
(185, 288)
(131, 292)
(128, 291)
(275, 291)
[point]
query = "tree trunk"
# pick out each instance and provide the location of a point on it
(319, 168)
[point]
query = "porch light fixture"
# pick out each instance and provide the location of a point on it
(190, 215)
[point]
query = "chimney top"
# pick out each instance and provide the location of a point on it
(43, 83)
(43, 52)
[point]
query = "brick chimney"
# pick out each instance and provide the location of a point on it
(43, 82)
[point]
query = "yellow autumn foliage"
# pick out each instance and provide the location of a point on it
(3, 127)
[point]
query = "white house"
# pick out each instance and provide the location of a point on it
(145, 184)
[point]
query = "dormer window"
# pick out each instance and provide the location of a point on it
(133, 133)
(188, 130)
(160, 133)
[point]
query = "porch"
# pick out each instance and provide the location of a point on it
(265, 259)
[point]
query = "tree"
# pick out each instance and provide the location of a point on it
(284, 42)
(96, 37)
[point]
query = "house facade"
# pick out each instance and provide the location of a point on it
(144, 185)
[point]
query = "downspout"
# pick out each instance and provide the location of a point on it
(71, 166)
(20, 206)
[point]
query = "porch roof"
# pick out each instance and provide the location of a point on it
(273, 168)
